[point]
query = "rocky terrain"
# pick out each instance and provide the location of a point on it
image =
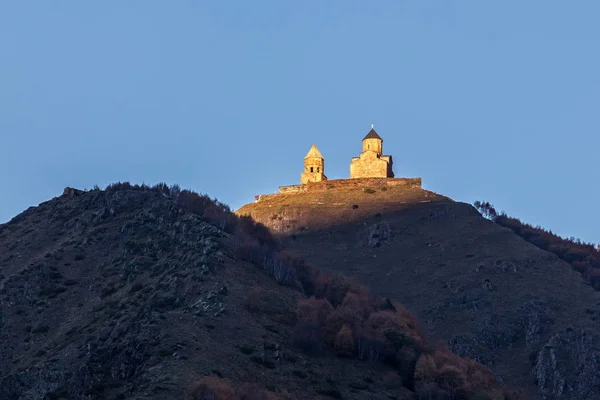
(473, 284)
(158, 293)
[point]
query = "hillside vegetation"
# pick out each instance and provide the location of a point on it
(583, 257)
(474, 284)
(141, 293)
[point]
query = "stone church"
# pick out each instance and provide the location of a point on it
(371, 163)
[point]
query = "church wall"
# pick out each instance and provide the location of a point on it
(369, 166)
(390, 171)
(312, 177)
(373, 145)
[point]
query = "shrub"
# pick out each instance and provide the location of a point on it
(451, 378)
(344, 342)
(369, 346)
(406, 362)
(486, 209)
(283, 267)
(453, 374)
(248, 228)
(163, 188)
(335, 287)
(396, 329)
(212, 388)
(211, 210)
(425, 370)
(431, 391)
(118, 186)
(336, 320)
(391, 380)
(593, 277)
(353, 311)
(307, 337)
(251, 250)
(306, 276)
(361, 304)
(314, 311)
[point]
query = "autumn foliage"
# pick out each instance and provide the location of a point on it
(355, 324)
(213, 388)
(344, 342)
(455, 376)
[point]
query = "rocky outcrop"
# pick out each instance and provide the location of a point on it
(378, 234)
(87, 308)
(568, 366)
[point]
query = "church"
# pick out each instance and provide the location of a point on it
(371, 163)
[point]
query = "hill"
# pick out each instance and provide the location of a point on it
(158, 293)
(487, 292)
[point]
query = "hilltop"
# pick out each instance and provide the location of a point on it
(143, 293)
(488, 293)
(341, 201)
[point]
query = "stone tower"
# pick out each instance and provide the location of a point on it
(371, 163)
(314, 167)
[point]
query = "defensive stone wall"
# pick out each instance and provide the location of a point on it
(260, 197)
(362, 182)
(292, 189)
(375, 183)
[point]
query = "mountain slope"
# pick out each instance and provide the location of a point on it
(491, 295)
(138, 293)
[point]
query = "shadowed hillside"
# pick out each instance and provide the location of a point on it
(583, 257)
(488, 293)
(157, 293)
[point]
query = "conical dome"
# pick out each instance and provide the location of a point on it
(372, 135)
(313, 153)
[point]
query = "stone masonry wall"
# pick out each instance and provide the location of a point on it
(349, 184)
(369, 165)
(292, 189)
(363, 182)
(260, 197)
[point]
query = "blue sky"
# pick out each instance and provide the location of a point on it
(487, 100)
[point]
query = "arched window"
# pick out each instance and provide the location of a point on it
(311, 169)
(317, 169)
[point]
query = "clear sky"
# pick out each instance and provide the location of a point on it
(489, 100)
